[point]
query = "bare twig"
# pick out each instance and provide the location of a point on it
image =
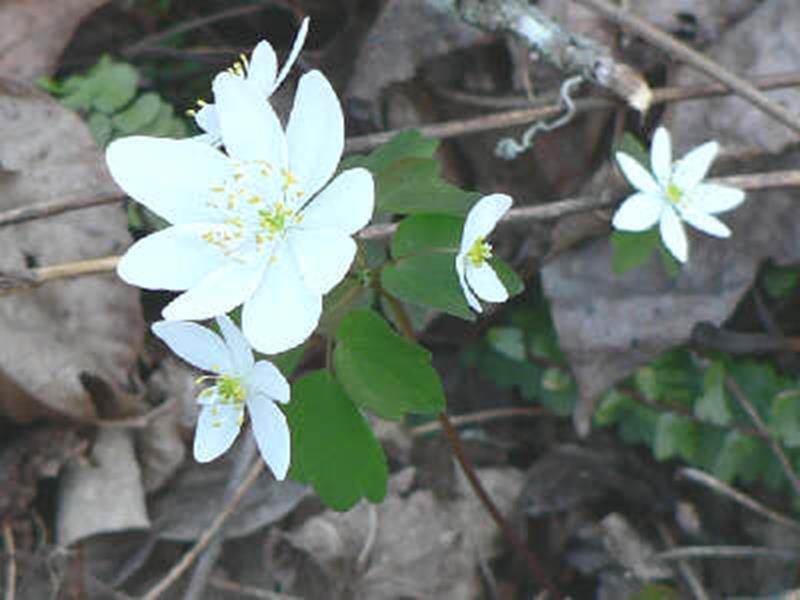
(737, 552)
(695, 59)
(10, 282)
(50, 209)
(186, 561)
(482, 417)
(748, 407)
(11, 560)
(724, 489)
(685, 568)
(247, 590)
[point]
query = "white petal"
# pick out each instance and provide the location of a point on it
(207, 119)
(283, 312)
(272, 434)
(483, 218)
(297, 46)
(196, 345)
(267, 379)
(315, 133)
(707, 223)
(324, 256)
(692, 168)
(674, 235)
(471, 299)
(638, 212)
(217, 428)
(346, 204)
(239, 349)
(175, 258)
(661, 156)
(250, 128)
(637, 175)
(173, 178)
(714, 199)
(262, 69)
(485, 283)
(219, 292)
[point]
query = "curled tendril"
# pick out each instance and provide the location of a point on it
(509, 148)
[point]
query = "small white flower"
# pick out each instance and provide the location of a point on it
(254, 225)
(675, 193)
(475, 274)
(260, 72)
(239, 381)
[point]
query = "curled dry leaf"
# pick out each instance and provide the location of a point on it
(409, 546)
(67, 337)
(609, 326)
(35, 32)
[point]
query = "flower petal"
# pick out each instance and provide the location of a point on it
(707, 223)
(692, 168)
(250, 128)
(639, 177)
(638, 212)
(196, 345)
(262, 69)
(324, 256)
(267, 379)
(483, 218)
(346, 204)
(217, 293)
(207, 119)
(239, 349)
(173, 178)
(485, 283)
(283, 312)
(714, 199)
(297, 46)
(272, 434)
(661, 156)
(673, 234)
(175, 258)
(315, 133)
(217, 428)
(471, 299)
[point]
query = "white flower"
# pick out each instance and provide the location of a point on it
(253, 226)
(260, 72)
(239, 381)
(476, 276)
(675, 193)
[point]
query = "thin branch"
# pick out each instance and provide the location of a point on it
(11, 560)
(745, 403)
(10, 281)
(692, 580)
(247, 590)
(731, 493)
(50, 209)
(728, 552)
(186, 561)
(482, 417)
(695, 59)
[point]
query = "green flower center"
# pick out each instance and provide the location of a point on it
(230, 390)
(275, 219)
(674, 193)
(480, 252)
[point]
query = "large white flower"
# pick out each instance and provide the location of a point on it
(674, 193)
(478, 279)
(253, 226)
(239, 381)
(261, 72)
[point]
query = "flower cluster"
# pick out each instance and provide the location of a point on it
(674, 193)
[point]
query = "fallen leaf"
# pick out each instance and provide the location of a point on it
(102, 495)
(35, 32)
(409, 546)
(68, 339)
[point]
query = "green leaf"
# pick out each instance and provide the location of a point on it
(113, 85)
(333, 448)
(100, 127)
(164, 123)
(138, 115)
(631, 146)
(382, 371)
(671, 264)
(508, 276)
(413, 185)
(739, 456)
(406, 144)
(287, 361)
(712, 405)
(675, 436)
(779, 281)
(78, 92)
(784, 419)
(508, 341)
(631, 250)
(419, 234)
(656, 591)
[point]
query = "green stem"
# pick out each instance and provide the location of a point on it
(404, 324)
